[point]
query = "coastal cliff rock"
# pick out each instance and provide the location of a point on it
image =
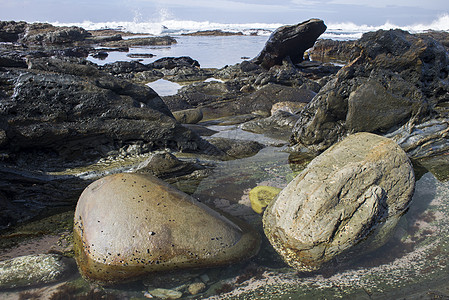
(397, 79)
(290, 41)
(129, 225)
(353, 193)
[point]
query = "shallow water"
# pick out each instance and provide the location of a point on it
(210, 51)
(413, 263)
(164, 87)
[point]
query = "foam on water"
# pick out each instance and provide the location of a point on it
(340, 31)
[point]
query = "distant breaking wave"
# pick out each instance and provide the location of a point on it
(339, 31)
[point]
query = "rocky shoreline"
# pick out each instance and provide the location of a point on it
(62, 117)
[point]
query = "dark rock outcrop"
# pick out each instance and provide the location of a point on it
(398, 78)
(332, 50)
(74, 117)
(10, 31)
(174, 62)
(290, 41)
(149, 41)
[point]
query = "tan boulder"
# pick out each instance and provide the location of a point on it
(355, 191)
(127, 225)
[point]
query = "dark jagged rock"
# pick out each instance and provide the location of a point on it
(10, 31)
(68, 65)
(279, 124)
(41, 34)
(25, 194)
(243, 69)
(149, 41)
(75, 117)
(440, 36)
(167, 166)
(290, 41)
(186, 74)
(213, 33)
(234, 149)
(120, 67)
(173, 62)
(396, 79)
(12, 59)
(263, 99)
(201, 94)
(332, 50)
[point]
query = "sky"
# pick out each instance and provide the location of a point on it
(372, 12)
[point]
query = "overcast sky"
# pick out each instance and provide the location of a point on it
(372, 12)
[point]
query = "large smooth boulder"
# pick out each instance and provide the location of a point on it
(397, 78)
(352, 193)
(290, 41)
(128, 225)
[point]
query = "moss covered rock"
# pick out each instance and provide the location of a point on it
(33, 270)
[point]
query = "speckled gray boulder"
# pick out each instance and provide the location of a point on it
(127, 225)
(357, 188)
(33, 270)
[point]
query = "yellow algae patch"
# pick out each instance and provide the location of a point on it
(261, 196)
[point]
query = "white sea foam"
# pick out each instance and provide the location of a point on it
(167, 26)
(350, 30)
(176, 27)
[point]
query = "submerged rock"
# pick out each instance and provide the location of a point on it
(188, 116)
(234, 149)
(33, 270)
(127, 225)
(290, 41)
(261, 196)
(355, 190)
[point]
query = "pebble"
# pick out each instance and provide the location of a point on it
(196, 288)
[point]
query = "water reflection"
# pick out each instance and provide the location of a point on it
(164, 87)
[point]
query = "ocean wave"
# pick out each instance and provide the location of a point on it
(345, 30)
(176, 27)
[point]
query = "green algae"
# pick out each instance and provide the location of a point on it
(59, 224)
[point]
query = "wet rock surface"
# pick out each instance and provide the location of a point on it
(127, 225)
(290, 41)
(397, 78)
(357, 188)
(76, 117)
(234, 149)
(33, 270)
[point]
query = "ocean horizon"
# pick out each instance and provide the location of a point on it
(338, 31)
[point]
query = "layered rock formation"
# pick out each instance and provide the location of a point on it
(352, 193)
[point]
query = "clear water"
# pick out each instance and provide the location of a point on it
(210, 51)
(414, 262)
